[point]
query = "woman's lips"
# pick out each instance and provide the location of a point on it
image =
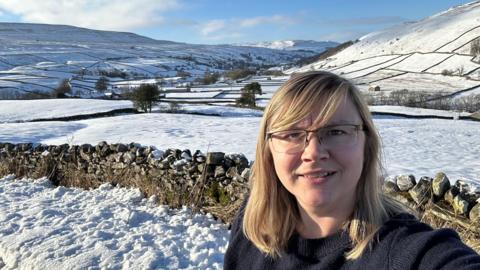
(318, 177)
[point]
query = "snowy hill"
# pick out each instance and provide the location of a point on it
(294, 45)
(433, 54)
(66, 33)
(36, 57)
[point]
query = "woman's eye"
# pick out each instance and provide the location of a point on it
(295, 135)
(336, 132)
(288, 136)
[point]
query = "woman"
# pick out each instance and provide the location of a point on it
(315, 200)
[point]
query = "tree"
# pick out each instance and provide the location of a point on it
(145, 96)
(236, 74)
(62, 89)
(247, 96)
(101, 84)
(254, 87)
(210, 78)
(475, 47)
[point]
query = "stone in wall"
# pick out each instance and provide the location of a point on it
(460, 205)
(474, 214)
(440, 185)
(451, 194)
(422, 191)
(405, 182)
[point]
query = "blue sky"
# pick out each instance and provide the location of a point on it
(220, 22)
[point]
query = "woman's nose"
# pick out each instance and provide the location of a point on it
(315, 149)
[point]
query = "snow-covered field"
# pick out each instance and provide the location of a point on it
(47, 227)
(25, 110)
(418, 146)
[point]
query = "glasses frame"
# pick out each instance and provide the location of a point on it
(358, 127)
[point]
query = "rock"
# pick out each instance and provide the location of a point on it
(440, 185)
(463, 186)
(474, 214)
(141, 152)
(176, 153)
(121, 148)
(179, 165)
(246, 174)
(219, 171)
(8, 147)
(405, 182)
(25, 146)
(241, 161)
(87, 148)
(157, 154)
(460, 205)
(199, 157)
(101, 145)
(187, 155)
(467, 192)
(215, 158)
(232, 172)
(390, 187)
(422, 191)
(128, 157)
(39, 148)
(451, 193)
(201, 167)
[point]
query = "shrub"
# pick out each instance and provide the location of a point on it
(475, 46)
(174, 107)
(113, 73)
(247, 97)
(210, 78)
(144, 97)
(236, 74)
(183, 74)
(446, 72)
(62, 89)
(273, 73)
(101, 84)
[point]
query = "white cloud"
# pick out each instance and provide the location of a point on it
(275, 19)
(96, 14)
(342, 36)
(212, 27)
(231, 28)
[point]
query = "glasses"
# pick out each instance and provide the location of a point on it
(334, 137)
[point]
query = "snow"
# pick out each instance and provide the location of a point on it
(311, 45)
(415, 111)
(47, 227)
(421, 51)
(25, 110)
(45, 56)
(417, 146)
(193, 95)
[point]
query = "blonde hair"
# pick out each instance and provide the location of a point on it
(271, 213)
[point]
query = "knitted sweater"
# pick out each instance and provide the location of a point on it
(402, 243)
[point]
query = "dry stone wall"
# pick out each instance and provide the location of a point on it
(459, 201)
(213, 182)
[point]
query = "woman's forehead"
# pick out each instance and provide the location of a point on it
(345, 113)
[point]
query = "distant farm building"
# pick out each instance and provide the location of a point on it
(374, 88)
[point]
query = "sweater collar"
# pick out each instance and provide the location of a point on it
(319, 247)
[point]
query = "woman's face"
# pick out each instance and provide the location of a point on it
(324, 178)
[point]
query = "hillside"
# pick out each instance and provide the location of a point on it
(294, 45)
(438, 53)
(35, 57)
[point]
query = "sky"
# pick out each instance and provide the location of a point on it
(225, 21)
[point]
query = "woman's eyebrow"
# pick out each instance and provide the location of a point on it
(340, 122)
